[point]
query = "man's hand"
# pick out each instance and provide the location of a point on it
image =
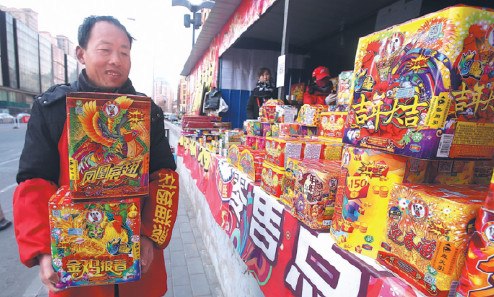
(147, 253)
(47, 275)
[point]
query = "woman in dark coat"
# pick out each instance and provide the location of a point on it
(263, 91)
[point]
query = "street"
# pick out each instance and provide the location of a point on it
(15, 277)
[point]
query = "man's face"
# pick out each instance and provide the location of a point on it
(107, 56)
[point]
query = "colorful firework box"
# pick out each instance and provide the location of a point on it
(310, 115)
(267, 112)
(367, 177)
(332, 149)
(233, 154)
(272, 179)
(94, 242)
(476, 276)
(285, 114)
(108, 144)
(423, 88)
(250, 163)
(332, 124)
(278, 150)
(286, 130)
(428, 230)
(315, 192)
(253, 127)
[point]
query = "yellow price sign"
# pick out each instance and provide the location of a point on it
(356, 183)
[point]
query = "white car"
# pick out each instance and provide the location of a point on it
(6, 118)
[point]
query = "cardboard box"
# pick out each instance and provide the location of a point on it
(428, 230)
(423, 88)
(272, 179)
(278, 150)
(94, 242)
(109, 137)
(332, 124)
(250, 163)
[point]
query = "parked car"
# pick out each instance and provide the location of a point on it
(23, 117)
(6, 118)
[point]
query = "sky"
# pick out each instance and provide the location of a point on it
(162, 42)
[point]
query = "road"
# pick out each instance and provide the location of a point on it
(16, 280)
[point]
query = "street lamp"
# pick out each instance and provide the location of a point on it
(194, 6)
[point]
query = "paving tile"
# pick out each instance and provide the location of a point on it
(188, 237)
(178, 259)
(195, 266)
(182, 291)
(176, 246)
(180, 276)
(201, 286)
(191, 250)
(185, 227)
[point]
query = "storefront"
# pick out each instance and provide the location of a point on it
(284, 255)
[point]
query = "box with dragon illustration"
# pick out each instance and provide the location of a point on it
(109, 138)
(424, 88)
(94, 242)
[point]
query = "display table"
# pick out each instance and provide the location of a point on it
(285, 256)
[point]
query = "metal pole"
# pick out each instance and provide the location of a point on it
(193, 35)
(285, 42)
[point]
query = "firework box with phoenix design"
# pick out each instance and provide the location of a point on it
(367, 176)
(476, 276)
(315, 192)
(428, 230)
(109, 138)
(423, 88)
(94, 242)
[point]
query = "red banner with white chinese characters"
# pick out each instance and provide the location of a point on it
(285, 256)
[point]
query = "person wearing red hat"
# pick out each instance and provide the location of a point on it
(320, 90)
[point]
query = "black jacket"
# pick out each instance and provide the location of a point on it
(40, 157)
(261, 93)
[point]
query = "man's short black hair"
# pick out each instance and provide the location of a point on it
(88, 24)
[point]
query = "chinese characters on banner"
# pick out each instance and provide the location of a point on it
(286, 257)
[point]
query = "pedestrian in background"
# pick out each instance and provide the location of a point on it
(4, 223)
(104, 49)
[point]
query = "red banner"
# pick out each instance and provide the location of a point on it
(285, 256)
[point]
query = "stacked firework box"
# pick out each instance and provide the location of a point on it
(95, 222)
(422, 89)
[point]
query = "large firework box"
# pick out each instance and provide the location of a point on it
(310, 115)
(286, 130)
(428, 230)
(267, 112)
(285, 114)
(366, 179)
(423, 88)
(272, 179)
(315, 188)
(345, 83)
(332, 149)
(458, 172)
(308, 131)
(332, 124)
(250, 163)
(476, 275)
(278, 150)
(109, 137)
(94, 242)
(255, 142)
(233, 154)
(292, 173)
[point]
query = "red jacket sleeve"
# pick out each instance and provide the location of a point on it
(159, 210)
(31, 221)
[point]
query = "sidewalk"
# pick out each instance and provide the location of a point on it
(186, 258)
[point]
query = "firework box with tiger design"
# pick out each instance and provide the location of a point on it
(424, 88)
(94, 242)
(109, 138)
(428, 230)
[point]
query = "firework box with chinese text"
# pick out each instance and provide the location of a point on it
(313, 149)
(367, 177)
(292, 173)
(476, 276)
(267, 112)
(233, 154)
(272, 179)
(332, 124)
(285, 114)
(109, 138)
(423, 88)
(286, 130)
(94, 242)
(310, 115)
(332, 149)
(315, 192)
(278, 150)
(428, 230)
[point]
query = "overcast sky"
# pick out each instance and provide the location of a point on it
(162, 42)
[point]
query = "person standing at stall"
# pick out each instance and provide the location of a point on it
(104, 49)
(320, 88)
(263, 91)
